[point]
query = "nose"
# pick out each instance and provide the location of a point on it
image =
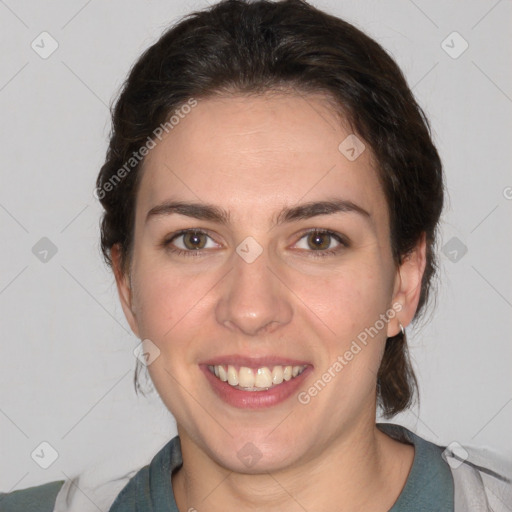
(252, 299)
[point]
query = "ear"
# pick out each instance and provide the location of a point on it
(407, 288)
(124, 289)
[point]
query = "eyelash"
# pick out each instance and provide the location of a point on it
(199, 252)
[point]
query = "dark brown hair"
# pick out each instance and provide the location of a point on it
(252, 47)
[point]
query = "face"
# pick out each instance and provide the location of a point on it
(284, 266)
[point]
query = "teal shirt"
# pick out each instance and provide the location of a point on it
(429, 486)
(34, 499)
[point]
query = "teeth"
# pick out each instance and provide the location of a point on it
(223, 376)
(277, 375)
(255, 380)
(246, 377)
(232, 376)
(263, 378)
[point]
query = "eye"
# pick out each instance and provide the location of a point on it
(191, 244)
(319, 242)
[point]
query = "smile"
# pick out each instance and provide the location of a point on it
(255, 379)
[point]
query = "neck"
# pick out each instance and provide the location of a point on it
(363, 469)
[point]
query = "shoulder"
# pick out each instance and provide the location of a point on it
(482, 478)
(40, 498)
(120, 478)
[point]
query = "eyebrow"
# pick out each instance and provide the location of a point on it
(204, 211)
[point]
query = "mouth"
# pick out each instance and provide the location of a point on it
(245, 378)
(255, 383)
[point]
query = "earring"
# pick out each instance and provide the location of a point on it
(401, 328)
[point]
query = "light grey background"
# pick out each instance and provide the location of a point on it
(66, 351)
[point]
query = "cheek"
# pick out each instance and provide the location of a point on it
(175, 309)
(167, 306)
(161, 298)
(349, 299)
(350, 303)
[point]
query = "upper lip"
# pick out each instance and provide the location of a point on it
(254, 362)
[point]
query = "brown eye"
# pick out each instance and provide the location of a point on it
(194, 240)
(189, 242)
(317, 240)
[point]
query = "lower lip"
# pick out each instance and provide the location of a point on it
(255, 399)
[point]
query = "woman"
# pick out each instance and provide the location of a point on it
(272, 197)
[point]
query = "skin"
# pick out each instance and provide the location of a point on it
(253, 155)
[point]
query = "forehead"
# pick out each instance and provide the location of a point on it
(259, 153)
